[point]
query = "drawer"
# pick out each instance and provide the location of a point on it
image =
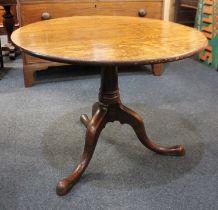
(30, 13)
(78, 1)
(150, 9)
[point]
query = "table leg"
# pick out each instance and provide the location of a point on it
(157, 69)
(109, 109)
(96, 124)
(130, 117)
(85, 119)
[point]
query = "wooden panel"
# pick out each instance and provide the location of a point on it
(1, 13)
(31, 60)
(53, 1)
(189, 3)
(78, 1)
(151, 1)
(185, 12)
(30, 13)
(154, 10)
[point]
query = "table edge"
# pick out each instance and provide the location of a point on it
(118, 63)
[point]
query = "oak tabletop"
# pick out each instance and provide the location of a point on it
(112, 40)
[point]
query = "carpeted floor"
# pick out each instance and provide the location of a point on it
(41, 140)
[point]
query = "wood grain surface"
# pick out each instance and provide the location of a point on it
(109, 40)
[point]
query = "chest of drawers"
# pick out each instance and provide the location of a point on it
(30, 11)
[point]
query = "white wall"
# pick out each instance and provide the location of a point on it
(169, 7)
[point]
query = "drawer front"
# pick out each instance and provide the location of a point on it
(30, 13)
(78, 1)
(150, 9)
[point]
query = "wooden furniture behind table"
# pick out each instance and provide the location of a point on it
(2, 12)
(8, 20)
(1, 56)
(185, 11)
(35, 10)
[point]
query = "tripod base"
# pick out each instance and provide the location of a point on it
(110, 109)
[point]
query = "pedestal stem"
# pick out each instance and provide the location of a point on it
(109, 91)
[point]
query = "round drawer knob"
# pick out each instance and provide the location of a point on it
(45, 16)
(142, 13)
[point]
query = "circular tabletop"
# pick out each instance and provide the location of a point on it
(109, 40)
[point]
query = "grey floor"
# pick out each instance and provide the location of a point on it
(41, 140)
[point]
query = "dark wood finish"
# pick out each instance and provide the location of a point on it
(2, 11)
(110, 109)
(1, 56)
(8, 23)
(185, 11)
(189, 3)
(8, 2)
(97, 40)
